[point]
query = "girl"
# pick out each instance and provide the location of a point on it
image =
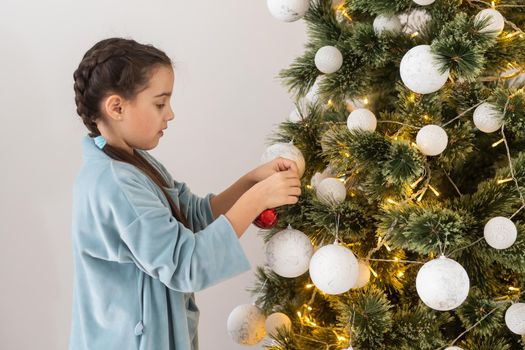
(142, 242)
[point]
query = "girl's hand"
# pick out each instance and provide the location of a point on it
(280, 188)
(274, 166)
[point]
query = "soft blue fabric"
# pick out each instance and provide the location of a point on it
(136, 266)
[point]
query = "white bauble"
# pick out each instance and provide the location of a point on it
(454, 348)
(389, 23)
(285, 150)
(331, 191)
(496, 21)
(312, 96)
(288, 10)
(246, 324)
(364, 275)
(328, 59)
(419, 70)
(442, 284)
(424, 2)
(415, 20)
(295, 116)
(487, 118)
(288, 253)
(334, 269)
(432, 140)
(277, 320)
(500, 232)
(516, 82)
(363, 119)
(318, 177)
(515, 318)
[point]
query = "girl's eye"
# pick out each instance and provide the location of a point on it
(160, 106)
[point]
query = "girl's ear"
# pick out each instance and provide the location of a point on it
(113, 105)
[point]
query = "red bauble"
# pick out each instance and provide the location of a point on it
(267, 219)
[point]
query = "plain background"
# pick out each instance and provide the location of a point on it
(227, 102)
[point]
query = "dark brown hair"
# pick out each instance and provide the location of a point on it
(119, 66)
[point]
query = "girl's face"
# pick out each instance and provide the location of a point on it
(144, 117)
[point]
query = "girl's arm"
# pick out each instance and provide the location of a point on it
(221, 203)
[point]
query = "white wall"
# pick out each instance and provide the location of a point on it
(227, 102)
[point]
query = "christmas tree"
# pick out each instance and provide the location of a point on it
(409, 233)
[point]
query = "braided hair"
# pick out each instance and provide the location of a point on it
(119, 66)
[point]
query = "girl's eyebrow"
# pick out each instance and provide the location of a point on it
(163, 94)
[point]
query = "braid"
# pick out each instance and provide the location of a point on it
(121, 66)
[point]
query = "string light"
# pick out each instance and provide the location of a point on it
(309, 285)
(413, 35)
(373, 272)
(391, 201)
(365, 101)
(498, 142)
(422, 195)
(504, 181)
(514, 289)
(434, 190)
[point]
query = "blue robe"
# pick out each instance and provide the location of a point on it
(137, 267)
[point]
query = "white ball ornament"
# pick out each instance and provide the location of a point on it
(442, 284)
(432, 140)
(277, 320)
(318, 177)
(288, 252)
(312, 96)
(496, 21)
(414, 20)
(331, 191)
(487, 118)
(285, 150)
(288, 10)
(454, 348)
(420, 70)
(328, 59)
(334, 269)
(500, 232)
(424, 2)
(384, 23)
(363, 119)
(246, 324)
(364, 275)
(515, 318)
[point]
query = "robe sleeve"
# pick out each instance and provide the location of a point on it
(163, 247)
(198, 208)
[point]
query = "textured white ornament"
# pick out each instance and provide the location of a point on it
(454, 348)
(312, 96)
(415, 20)
(424, 2)
(432, 140)
(288, 253)
(516, 82)
(318, 177)
(384, 23)
(246, 324)
(496, 21)
(277, 320)
(363, 119)
(487, 118)
(331, 191)
(288, 10)
(500, 232)
(442, 284)
(420, 72)
(364, 275)
(515, 318)
(328, 59)
(334, 269)
(295, 116)
(285, 150)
